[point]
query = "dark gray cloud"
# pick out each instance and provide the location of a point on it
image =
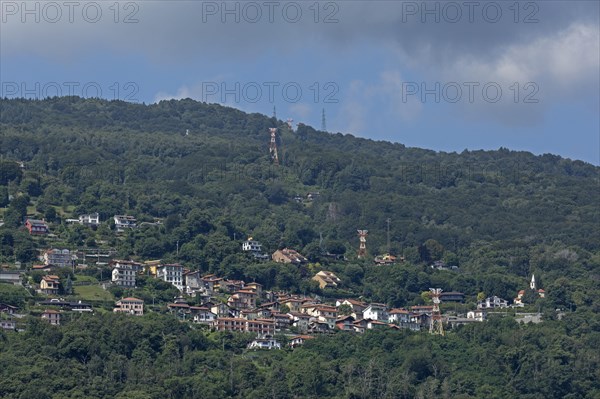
(182, 28)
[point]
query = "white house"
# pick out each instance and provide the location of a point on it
(93, 219)
(124, 222)
(203, 315)
(251, 245)
(376, 311)
(398, 316)
(255, 248)
(123, 275)
(478, 315)
(171, 274)
(264, 343)
(492, 302)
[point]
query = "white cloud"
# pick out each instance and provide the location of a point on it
(182, 92)
(559, 61)
(301, 110)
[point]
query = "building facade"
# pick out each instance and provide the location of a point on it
(133, 306)
(36, 227)
(123, 275)
(59, 257)
(171, 274)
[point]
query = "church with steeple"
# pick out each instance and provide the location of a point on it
(532, 286)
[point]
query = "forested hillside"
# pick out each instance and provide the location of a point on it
(201, 179)
(152, 357)
(114, 157)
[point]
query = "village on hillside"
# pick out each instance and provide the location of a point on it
(223, 304)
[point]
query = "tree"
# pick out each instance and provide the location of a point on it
(25, 251)
(32, 187)
(3, 197)
(9, 171)
(411, 254)
(530, 297)
(276, 194)
(426, 296)
(431, 251)
(50, 214)
(345, 310)
(312, 251)
(336, 247)
(68, 287)
(171, 222)
(19, 205)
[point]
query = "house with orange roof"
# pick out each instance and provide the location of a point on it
(50, 284)
(287, 255)
(327, 279)
(242, 299)
(133, 306)
(357, 307)
(345, 323)
(52, 316)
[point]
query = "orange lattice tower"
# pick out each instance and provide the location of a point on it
(436, 326)
(273, 146)
(362, 249)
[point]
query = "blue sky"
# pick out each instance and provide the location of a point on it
(441, 75)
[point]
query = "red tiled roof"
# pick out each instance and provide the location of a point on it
(178, 305)
(353, 302)
(199, 308)
(303, 337)
(396, 311)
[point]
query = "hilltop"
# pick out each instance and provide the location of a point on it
(196, 180)
(204, 171)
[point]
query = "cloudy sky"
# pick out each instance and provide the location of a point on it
(442, 75)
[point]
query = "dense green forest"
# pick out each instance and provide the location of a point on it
(498, 215)
(155, 357)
